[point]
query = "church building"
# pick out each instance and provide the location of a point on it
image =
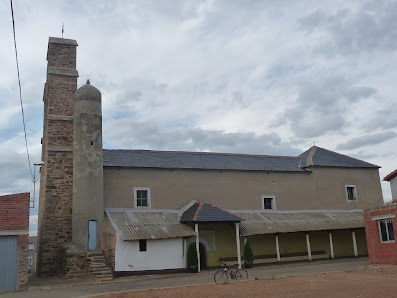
(105, 213)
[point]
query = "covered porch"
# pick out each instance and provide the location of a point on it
(279, 236)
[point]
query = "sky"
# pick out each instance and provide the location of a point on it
(262, 77)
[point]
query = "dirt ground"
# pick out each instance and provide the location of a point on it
(373, 281)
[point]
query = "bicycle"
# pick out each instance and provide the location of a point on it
(221, 276)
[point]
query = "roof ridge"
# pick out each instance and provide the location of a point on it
(310, 156)
(197, 211)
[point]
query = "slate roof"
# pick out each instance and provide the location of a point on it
(199, 160)
(317, 156)
(258, 222)
(206, 212)
(132, 224)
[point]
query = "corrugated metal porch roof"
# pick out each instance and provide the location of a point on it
(256, 222)
(133, 224)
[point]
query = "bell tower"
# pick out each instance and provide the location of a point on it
(56, 184)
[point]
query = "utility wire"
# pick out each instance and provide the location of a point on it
(20, 90)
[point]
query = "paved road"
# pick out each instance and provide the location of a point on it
(57, 288)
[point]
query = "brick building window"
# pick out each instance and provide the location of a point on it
(386, 231)
(142, 197)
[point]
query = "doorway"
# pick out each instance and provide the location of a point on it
(92, 235)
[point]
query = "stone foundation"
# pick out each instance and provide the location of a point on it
(73, 263)
(23, 244)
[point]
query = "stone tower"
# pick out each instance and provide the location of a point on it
(56, 185)
(87, 168)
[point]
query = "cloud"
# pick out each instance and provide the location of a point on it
(234, 76)
(367, 28)
(15, 174)
(367, 140)
(126, 133)
(320, 107)
(382, 119)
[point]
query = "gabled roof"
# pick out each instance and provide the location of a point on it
(199, 160)
(206, 212)
(390, 176)
(317, 156)
(133, 224)
(257, 222)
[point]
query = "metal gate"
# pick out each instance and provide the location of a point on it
(8, 263)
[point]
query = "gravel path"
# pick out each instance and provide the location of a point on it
(373, 282)
(55, 287)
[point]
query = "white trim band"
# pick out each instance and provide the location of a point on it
(14, 232)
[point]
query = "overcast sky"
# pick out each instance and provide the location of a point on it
(265, 77)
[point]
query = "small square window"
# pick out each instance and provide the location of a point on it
(142, 245)
(268, 202)
(386, 231)
(351, 193)
(142, 197)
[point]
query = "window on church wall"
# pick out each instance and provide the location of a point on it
(351, 193)
(142, 197)
(268, 202)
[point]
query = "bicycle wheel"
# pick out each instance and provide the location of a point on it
(241, 274)
(220, 276)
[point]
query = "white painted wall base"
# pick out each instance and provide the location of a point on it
(159, 255)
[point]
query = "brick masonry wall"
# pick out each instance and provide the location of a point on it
(61, 55)
(60, 133)
(56, 185)
(23, 246)
(74, 263)
(14, 216)
(60, 94)
(380, 253)
(56, 210)
(14, 212)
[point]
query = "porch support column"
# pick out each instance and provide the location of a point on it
(245, 241)
(354, 244)
(238, 245)
(184, 253)
(277, 250)
(196, 228)
(309, 251)
(331, 245)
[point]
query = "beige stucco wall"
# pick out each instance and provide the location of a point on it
(323, 188)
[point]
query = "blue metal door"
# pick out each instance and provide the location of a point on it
(8, 263)
(92, 235)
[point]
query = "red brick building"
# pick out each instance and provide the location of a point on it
(14, 240)
(380, 227)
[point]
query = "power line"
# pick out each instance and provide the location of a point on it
(20, 90)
